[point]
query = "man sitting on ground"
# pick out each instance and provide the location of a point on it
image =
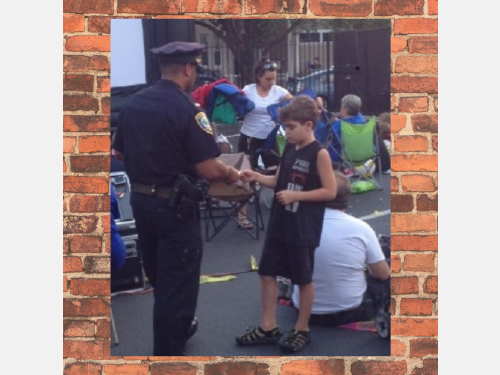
(348, 246)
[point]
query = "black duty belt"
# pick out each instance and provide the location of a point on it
(153, 190)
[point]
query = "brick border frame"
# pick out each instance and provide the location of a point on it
(414, 187)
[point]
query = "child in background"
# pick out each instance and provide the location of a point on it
(384, 129)
(303, 183)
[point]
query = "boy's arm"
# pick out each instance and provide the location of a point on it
(326, 192)
(267, 181)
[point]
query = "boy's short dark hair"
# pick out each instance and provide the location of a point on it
(341, 201)
(384, 125)
(301, 109)
(384, 117)
(384, 130)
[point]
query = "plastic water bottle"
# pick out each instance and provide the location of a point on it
(367, 169)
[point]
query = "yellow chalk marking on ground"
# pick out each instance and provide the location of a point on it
(215, 279)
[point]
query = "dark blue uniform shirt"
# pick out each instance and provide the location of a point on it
(162, 132)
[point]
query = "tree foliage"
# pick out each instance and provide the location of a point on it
(249, 40)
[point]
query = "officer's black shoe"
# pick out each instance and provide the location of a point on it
(193, 328)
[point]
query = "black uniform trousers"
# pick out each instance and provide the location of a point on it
(172, 252)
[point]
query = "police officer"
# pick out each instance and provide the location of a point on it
(161, 135)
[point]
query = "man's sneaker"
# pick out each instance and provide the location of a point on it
(256, 336)
(296, 341)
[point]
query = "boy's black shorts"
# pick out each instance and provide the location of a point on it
(293, 262)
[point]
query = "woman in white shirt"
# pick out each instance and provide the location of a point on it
(257, 123)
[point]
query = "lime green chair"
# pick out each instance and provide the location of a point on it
(281, 142)
(359, 146)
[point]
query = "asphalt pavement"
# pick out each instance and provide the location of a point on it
(225, 309)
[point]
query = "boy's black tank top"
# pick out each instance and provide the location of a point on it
(298, 223)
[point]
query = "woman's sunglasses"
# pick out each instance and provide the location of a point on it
(269, 66)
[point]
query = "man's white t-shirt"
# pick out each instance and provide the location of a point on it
(347, 245)
(257, 122)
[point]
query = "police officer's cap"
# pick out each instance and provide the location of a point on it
(180, 52)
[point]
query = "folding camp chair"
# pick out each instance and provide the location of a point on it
(359, 145)
(224, 202)
(275, 144)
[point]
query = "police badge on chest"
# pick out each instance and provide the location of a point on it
(202, 121)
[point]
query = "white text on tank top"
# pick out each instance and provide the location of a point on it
(298, 180)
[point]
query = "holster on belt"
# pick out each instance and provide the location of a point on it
(188, 210)
(185, 199)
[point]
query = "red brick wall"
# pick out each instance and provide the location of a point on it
(414, 187)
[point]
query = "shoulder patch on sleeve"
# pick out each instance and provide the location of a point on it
(202, 121)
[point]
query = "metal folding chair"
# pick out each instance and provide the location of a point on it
(113, 328)
(224, 202)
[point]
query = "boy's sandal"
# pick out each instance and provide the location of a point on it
(245, 224)
(256, 335)
(296, 341)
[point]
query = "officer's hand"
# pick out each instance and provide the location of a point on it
(232, 177)
(247, 176)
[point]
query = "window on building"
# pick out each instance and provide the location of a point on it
(217, 58)
(309, 37)
(217, 52)
(204, 54)
(316, 37)
(327, 36)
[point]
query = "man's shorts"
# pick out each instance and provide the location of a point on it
(293, 262)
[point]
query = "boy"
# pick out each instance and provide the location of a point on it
(384, 129)
(303, 183)
(384, 126)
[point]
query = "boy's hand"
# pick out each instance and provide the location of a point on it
(286, 196)
(247, 176)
